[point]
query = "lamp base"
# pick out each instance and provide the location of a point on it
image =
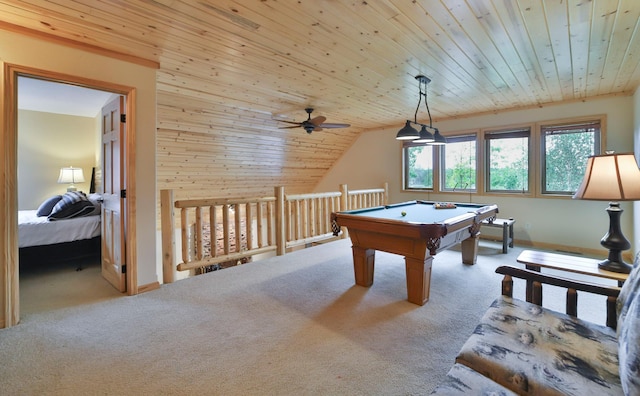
(615, 241)
(615, 266)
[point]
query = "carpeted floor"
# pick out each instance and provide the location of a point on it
(289, 325)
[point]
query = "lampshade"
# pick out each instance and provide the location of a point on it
(425, 136)
(438, 138)
(407, 132)
(71, 176)
(610, 177)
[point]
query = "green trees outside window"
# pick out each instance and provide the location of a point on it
(459, 163)
(565, 152)
(508, 160)
(419, 167)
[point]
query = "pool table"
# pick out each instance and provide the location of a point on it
(417, 230)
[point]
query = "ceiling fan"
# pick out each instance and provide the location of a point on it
(313, 124)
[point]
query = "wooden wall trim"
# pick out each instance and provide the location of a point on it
(78, 45)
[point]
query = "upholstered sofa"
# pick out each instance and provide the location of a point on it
(521, 348)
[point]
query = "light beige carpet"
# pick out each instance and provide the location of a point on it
(290, 325)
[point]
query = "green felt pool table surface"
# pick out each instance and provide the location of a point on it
(422, 212)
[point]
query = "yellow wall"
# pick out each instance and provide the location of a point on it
(45, 55)
(376, 157)
(46, 143)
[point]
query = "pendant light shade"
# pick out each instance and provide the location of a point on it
(407, 132)
(425, 136)
(438, 139)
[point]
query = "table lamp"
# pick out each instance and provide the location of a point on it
(612, 177)
(71, 176)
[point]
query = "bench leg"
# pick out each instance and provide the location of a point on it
(505, 237)
(511, 235)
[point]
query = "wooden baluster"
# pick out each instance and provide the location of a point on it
(184, 217)
(507, 286)
(612, 314)
(225, 229)
(536, 296)
(260, 223)
(270, 223)
(213, 229)
(237, 228)
(198, 236)
(572, 302)
(249, 225)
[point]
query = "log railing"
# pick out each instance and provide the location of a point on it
(218, 230)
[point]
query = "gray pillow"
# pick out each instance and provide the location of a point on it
(46, 207)
(73, 204)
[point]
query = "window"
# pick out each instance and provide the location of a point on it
(459, 163)
(418, 173)
(565, 149)
(507, 161)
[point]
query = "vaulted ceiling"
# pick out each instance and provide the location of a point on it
(230, 69)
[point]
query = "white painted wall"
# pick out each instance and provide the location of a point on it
(45, 55)
(46, 143)
(376, 157)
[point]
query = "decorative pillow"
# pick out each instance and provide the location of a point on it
(96, 200)
(73, 204)
(629, 349)
(47, 206)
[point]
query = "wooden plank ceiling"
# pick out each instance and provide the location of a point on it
(230, 69)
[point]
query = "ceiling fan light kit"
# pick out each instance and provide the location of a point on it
(313, 124)
(407, 132)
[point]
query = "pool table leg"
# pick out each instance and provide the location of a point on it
(363, 263)
(470, 249)
(418, 279)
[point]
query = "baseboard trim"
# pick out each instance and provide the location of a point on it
(148, 287)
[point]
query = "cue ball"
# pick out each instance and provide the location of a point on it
(403, 213)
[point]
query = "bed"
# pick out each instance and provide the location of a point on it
(64, 227)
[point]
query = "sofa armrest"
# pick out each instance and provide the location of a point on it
(572, 286)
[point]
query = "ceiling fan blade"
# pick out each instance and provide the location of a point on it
(330, 125)
(290, 127)
(317, 120)
(290, 122)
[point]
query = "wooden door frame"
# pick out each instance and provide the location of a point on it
(9, 287)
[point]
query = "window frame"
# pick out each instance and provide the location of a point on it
(544, 127)
(442, 170)
(506, 133)
(406, 171)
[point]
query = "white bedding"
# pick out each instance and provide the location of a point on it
(35, 231)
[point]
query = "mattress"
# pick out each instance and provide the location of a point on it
(36, 231)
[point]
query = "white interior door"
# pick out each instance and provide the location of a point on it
(114, 193)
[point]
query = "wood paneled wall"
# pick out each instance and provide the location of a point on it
(203, 151)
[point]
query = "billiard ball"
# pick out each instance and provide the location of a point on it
(403, 213)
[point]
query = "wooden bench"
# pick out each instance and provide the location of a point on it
(507, 230)
(535, 260)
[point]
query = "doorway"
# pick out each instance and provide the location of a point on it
(11, 314)
(58, 129)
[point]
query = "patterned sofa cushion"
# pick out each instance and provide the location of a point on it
(533, 351)
(461, 380)
(629, 351)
